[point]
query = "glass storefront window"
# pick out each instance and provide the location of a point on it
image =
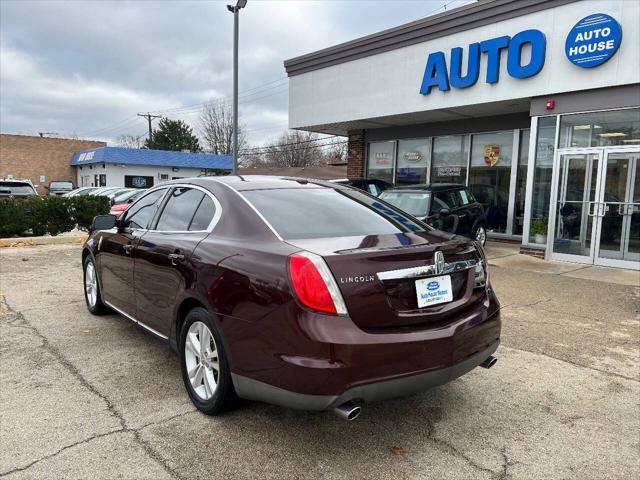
(490, 176)
(600, 129)
(381, 160)
(413, 160)
(521, 182)
(542, 179)
(450, 157)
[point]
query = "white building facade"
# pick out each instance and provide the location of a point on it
(535, 105)
(137, 168)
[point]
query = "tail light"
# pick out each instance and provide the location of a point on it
(482, 268)
(314, 284)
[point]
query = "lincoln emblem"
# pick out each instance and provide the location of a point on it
(438, 261)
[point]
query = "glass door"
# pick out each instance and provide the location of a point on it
(574, 214)
(595, 211)
(619, 211)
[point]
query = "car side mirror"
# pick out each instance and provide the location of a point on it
(103, 222)
(444, 212)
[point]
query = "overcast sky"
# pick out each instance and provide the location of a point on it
(86, 68)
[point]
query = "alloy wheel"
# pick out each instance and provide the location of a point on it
(201, 359)
(481, 235)
(91, 284)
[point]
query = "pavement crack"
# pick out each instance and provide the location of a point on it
(506, 463)
(58, 452)
(449, 448)
(604, 372)
(17, 319)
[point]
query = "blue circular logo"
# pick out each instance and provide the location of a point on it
(433, 285)
(593, 40)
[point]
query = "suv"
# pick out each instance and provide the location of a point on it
(446, 206)
(17, 188)
(59, 187)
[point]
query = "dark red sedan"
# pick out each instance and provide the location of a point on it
(301, 293)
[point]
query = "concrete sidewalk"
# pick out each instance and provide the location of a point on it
(72, 237)
(506, 255)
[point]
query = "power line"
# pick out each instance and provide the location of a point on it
(280, 147)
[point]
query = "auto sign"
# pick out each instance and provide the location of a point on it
(593, 40)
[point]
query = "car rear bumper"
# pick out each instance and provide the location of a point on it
(371, 392)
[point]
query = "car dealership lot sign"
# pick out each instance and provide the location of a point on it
(593, 40)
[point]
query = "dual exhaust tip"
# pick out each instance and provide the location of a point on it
(350, 411)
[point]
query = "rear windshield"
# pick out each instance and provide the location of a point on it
(16, 188)
(414, 203)
(60, 185)
(324, 212)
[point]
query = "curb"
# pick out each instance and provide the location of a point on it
(33, 241)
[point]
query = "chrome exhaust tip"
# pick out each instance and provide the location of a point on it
(489, 362)
(348, 411)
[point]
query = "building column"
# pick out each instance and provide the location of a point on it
(355, 154)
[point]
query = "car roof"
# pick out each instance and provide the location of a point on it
(422, 187)
(259, 182)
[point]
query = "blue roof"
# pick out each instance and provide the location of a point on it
(163, 158)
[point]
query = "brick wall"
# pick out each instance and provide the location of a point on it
(30, 157)
(355, 154)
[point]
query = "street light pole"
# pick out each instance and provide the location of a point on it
(235, 9)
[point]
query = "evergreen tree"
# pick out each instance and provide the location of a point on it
(173, 135)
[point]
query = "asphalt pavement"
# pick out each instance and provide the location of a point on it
(97, 397)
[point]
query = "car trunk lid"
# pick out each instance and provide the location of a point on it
(377, 275)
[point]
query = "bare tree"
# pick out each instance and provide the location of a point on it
(130, 141)
(336, 153)
(294, 149)
(216, 128)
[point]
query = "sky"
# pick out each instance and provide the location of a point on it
(85, 68)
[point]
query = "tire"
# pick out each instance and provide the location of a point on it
(92, 293)
(480, 233)
(198, 369)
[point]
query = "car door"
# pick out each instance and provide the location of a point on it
(117, 252)
(443, 215)
(465, 211)
(162, 268)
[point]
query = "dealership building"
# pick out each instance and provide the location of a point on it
(535, 105)
(142, 168)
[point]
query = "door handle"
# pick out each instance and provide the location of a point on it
(127, 248)
(175, 258)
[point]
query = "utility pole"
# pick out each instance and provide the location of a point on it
(235, 9)
(149, 118)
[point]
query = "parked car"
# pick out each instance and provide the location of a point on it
(59, 187)
(370, 185)
(17, 188)
(300, 293)
(80, 191)
(100, 191)
(123, 200)
(446, 206)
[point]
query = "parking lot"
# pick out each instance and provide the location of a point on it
(97, 397)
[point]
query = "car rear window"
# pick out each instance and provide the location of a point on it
(16, 188)
(414, 203)
(325, 212)
(60, 185)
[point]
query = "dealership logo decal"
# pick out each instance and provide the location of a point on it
(518, 64)
(413, 157)
(491, 154)
(593, 40)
